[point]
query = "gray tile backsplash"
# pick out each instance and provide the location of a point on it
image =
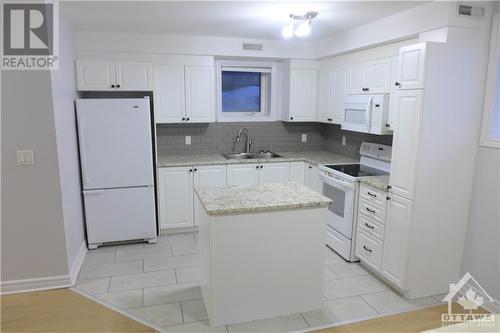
(275, 136)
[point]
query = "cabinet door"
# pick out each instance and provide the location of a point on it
(357, 79)
(324, 95)
(303, 95)
(397, 231)
(210, 176)
(169, 95)
(134, 76)
(297, 172)
(338, 91)
(405, 142)
(95, 75)
(176, 197)
(411, 67)
(200, 106)
(391, 122)
(312, 179)
(378, 76)
(274, 173)
(243, 174)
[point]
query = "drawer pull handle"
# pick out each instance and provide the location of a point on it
(367, 249)
(369, 226)
(370, 210)
(371, 194)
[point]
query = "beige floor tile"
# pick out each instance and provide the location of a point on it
(164, 263)
(188, 274)
(172, 293)
(347, 269)
(201, 327)
(354, 286)
(123, 299)
(103, 270)
(160, 315)
(182, 239)
(328, 274)
(144, 253)
(93, 286)
(142, 280)
(93, 258)
(289, 323)
(340, 309)
(387, 301)
(181, 249)
(331, 257)
(194, 311)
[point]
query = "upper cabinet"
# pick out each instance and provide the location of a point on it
(372, 77)
(113, 76)
(332, 88)
(410, 74)
(303, 95)
(184, 94)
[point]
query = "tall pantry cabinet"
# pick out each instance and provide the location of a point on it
(435, 110)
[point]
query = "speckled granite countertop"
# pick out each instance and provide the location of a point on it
(379, 182)
(314, 157)
(232, 200)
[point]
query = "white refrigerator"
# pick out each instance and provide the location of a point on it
(116, 161)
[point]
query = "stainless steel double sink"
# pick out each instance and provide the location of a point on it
(246, 156)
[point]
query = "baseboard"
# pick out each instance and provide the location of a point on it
(178, 230)
(26, 285)
(78, 262)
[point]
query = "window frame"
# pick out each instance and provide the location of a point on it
(268, 90)
(491, 86)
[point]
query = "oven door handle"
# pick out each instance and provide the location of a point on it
(336, 182)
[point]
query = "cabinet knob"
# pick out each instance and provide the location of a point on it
(118, 86)
(187, 119)
(195, 169)
(387, 125)
(291, 118)
(261, 166)
(183, 118)
(112, 86)
(190, 170)
(389, 187)
(256, 167)
(397, 84)
(310, 167)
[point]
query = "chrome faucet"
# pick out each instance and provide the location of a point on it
(248, 141)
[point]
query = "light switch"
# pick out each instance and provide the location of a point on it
(344, 140)
(188, 140)
(304, 137)
(25, 157)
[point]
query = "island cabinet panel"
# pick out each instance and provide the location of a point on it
(176, 197)
(297, 172)
(312, 179)
(274, 173)
(243, 174)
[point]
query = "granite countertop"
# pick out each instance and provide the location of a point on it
(379, 182)
(313, 157)
(232, 200)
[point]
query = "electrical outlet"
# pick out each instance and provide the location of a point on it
(188, 140)
(25, 157)
(304, 137)
(344, 140)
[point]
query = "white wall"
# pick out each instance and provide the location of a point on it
(64, 95)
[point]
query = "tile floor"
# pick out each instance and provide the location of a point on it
(159, 283)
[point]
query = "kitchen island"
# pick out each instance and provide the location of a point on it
(261, 250)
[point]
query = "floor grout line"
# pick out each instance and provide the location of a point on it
(305, 319)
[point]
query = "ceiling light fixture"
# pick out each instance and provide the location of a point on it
(303, 29)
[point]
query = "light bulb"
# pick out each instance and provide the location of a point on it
(303, 29)
(287, 31)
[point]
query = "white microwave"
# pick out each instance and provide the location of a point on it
(366, 113)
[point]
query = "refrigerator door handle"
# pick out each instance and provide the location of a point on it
(92, 192)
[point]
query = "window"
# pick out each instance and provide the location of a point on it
(490, 131)
(244, 90)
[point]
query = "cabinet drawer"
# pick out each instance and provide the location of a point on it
(375, 212)
(369, 250)
(370, 226)
(372, 195)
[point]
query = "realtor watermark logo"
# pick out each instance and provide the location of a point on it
(30, 35)
(469, 296)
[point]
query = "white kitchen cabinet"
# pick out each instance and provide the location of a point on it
(397, 234)
(184, 94)
(274, 173)
(312, 179)
(176, 197)
(113, 76)
(209, 176)
(303, 95)
(411, 67)
(200, 96)
(372, 77)
(391, 119)
(406, 137)
(243, 174)
(332, 89)
(95, 75)
(297, 172)
(133, 76)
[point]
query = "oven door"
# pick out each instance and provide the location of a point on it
(341, 211)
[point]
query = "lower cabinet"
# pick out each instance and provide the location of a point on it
(274, 173)
(311, 178)
(176, 192)
(258, 173)
(297, 172)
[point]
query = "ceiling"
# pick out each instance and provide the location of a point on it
(243, 19)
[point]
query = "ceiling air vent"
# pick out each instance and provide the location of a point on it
(253, 47)
(471, 11)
